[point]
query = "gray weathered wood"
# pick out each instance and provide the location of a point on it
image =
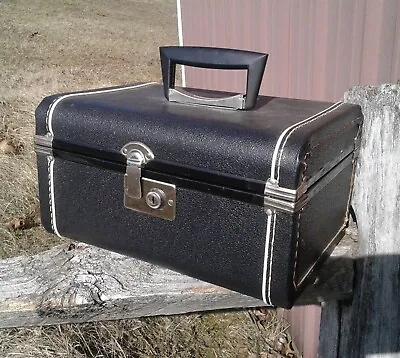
(369, 326)
(334, 280)
(86, 283)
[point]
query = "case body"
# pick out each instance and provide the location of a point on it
(259, 197)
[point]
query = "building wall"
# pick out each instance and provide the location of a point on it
(317, 50)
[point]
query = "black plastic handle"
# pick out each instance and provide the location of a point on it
(216, 58)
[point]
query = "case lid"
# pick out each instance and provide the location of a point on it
(284, 142)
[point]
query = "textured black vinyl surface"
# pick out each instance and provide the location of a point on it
(43, 179)
(215, 239)
(321, 219)
(332, 137)
(282, 258)
(239, 143)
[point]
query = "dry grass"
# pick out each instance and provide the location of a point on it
(196, 335)
(59, 46)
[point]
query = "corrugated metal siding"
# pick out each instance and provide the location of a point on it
(318, 49)
(304, 328)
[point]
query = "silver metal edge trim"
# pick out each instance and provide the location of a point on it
(44, 144)
(233, 102)
(43, 150)
(44, 140)
(274, 190)
(279, 203)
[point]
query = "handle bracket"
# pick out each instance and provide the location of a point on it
(232, 102)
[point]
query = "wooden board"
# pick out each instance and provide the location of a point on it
(82, 283)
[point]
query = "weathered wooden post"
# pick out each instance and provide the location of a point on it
(369, 326)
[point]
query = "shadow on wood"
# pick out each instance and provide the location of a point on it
(370, 325)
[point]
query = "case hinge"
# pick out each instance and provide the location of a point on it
(142, 194)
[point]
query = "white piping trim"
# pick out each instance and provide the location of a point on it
(268, 259)
(292, 128)
(49, 119)
(52, 201)
(49, 125)
(271, 259)
(180, 37)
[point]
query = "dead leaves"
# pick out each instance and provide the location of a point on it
(280, 343)
(29, 221)
(10, 147)
(286, 347)
(11, 139)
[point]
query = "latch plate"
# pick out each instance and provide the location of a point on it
(167, 210)
(142, 194)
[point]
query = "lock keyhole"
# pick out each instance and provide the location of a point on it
(155, 198)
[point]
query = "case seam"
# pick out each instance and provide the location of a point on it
(337, 233)
(296, 250)
(334, 135)
(296, 254)
(49, 160)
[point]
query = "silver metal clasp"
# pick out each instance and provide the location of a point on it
(137, 154)
(142, 194)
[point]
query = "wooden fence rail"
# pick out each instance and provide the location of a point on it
(82, 283)
(369, 325)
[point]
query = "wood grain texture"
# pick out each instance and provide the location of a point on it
(89, 283)
(84, 283)
(370, 325)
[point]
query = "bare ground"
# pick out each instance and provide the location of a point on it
(59, 46)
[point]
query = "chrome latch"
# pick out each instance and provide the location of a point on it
(142, 194)
(137, 154)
